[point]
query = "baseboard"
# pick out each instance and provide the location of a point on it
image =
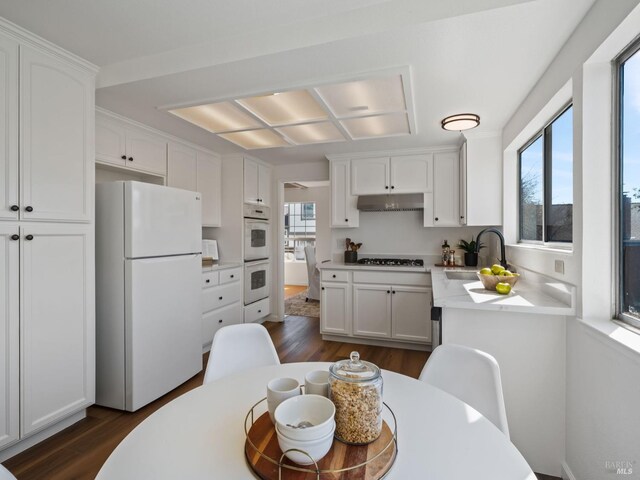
(567, 474)
(376, 342)
(30, 441)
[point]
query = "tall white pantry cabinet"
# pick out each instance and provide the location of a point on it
(47, 326)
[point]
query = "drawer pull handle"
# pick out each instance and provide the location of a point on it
(259, 311)
(231, 276)
(333, 276)
(208, 280)
(219, 298)
(219, 321)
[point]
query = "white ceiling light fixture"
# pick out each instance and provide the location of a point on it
(364, 97)
(285, 108)
(461, 121)
(218, 117)
(254, 139)
(310, 133)
(377, 126)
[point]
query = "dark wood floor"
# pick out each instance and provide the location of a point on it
(79, 451)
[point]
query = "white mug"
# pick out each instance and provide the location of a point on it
(278, 390)
(317, 383)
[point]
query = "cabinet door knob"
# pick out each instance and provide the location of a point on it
(124, 157)
(219, 298)
(322, 288)
(392, 187)
(29, 237)
(394, 292)
(461, 216)
(436, 219)
(15, 208)
(386, 187)
(259, 311)
(15, 236)
(29, 208)
(231, 276)
(131, 159)
(333, 276)
(388, 291)
(346, 219)
(219, 321)
(207, 280)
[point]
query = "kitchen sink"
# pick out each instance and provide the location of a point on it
(461, 275)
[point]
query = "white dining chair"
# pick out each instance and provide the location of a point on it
(239, 347)
(470, 375)
(313, 292)
(6, 474)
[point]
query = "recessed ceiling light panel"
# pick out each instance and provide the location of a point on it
(377, 126)
(218, 117)
(310, 133)
(364, 97)
(285, 108)
(254, 139)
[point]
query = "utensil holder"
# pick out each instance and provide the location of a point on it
(350, 257)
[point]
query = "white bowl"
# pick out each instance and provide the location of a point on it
(316, 449)
(318, 410)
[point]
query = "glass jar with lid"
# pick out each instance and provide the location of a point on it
(355, 388)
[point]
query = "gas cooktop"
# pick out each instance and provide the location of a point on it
(392, 262)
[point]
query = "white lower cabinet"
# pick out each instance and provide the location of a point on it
(354, 303)
(257, 310)
(53, 328)
(221, 301)
(9, 334)
(372, 310)
(335, 308)
(410, 313)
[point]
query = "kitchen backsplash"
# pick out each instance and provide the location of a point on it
(402, 233)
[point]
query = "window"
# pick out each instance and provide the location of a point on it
(628, 204)
(299, 227)
(546, 183)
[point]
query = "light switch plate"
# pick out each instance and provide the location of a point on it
(559, 266)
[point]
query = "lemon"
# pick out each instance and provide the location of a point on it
(496, 268)
(486, 271)
(503, 288)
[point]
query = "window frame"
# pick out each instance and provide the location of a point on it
(547, 159)
(617, 110)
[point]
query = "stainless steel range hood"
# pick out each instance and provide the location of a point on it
(391, 203)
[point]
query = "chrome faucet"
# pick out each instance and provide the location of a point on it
(503, 259)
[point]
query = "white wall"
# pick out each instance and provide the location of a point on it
(394, 233)
(603, 360)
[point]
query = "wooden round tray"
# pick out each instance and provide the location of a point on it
(337, 464)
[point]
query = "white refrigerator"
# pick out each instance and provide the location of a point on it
(148, 294)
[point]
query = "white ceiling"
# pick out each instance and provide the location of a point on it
(479, 56)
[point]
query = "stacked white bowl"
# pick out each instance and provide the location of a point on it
(293, 414)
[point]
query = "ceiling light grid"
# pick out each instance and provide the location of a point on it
(360, 109)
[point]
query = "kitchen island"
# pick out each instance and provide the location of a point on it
(525, 332)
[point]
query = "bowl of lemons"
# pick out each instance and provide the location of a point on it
(498, 279)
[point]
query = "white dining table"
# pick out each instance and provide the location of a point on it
(200, 435)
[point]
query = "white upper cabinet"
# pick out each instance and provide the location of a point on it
(210, 186)
(56, 138)
(257, 183)
(344, 212)
(9, 334)
(195, 170)
(57, 325)
(9, 202)
(398, 174)
(128, 146)
(370, 176)
(412, 173)
(445, 193)
(481, 179)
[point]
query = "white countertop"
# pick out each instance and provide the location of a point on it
(354, 266)
(221, 266)
(533, 293)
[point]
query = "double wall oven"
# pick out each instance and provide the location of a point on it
(257, 245)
